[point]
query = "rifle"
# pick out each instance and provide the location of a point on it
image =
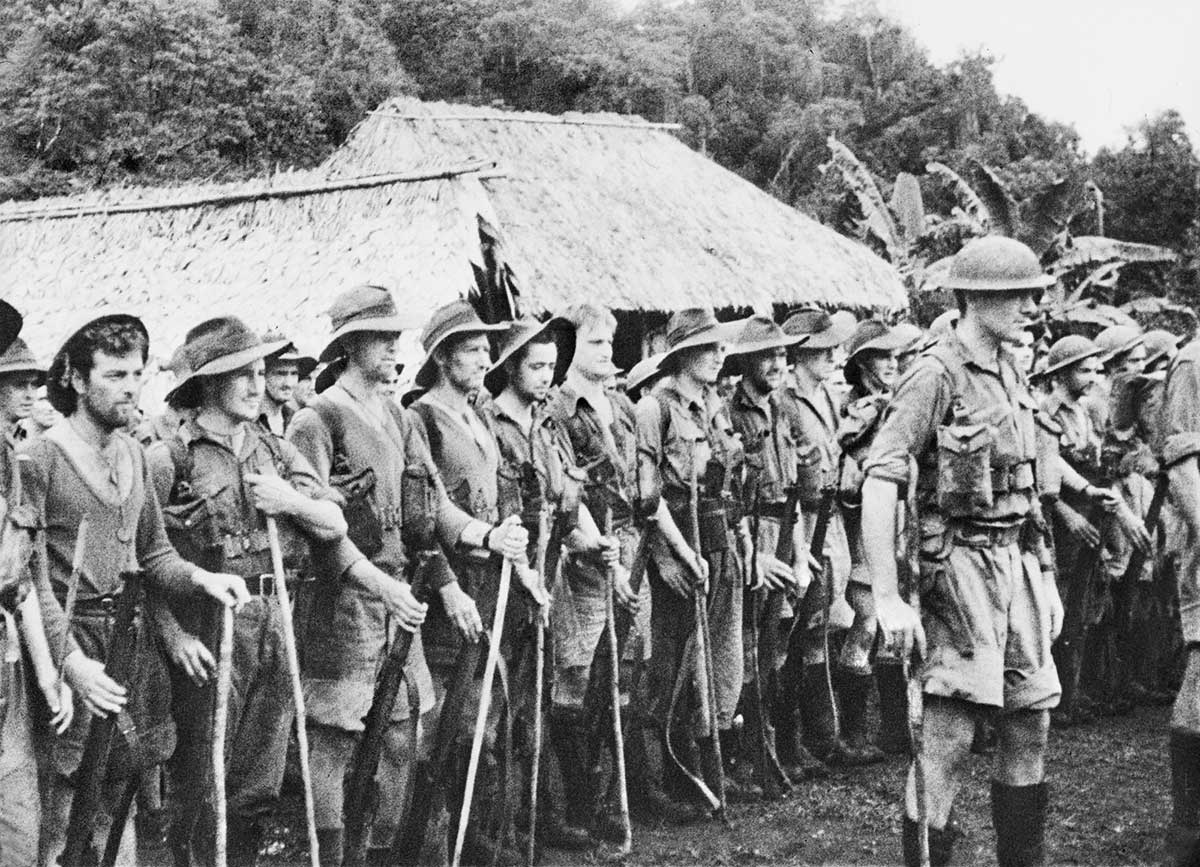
(220, 721)
(539, 678)
(361, 795)
(93, 768)
(703, 647)
(1078, 601)
(1137, 561)
(610, 629)
(769, 771)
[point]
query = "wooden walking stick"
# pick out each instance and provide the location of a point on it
(220, 721)
(293, 660)
(610, 629)
(539, 679)
(912, 680)
(489, 674)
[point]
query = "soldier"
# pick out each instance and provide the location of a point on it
(964, 417)
(220, 475)
(464, 450)
(371, 454)
(86, 466)
(1179, 448)
(690, 463)
(771, 498)
(20, 811)
(283, 378)
(871, 371)
(812, 408)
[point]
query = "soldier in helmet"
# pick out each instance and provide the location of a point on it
(959, 440)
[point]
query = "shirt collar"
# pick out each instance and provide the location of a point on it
(744, 398)
(974, 357)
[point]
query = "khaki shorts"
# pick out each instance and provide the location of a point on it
(986, 613)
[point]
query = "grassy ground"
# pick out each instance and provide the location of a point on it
(1110, 805)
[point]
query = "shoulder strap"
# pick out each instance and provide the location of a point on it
(953, 365)
(181, 461)
(664, 414)
(433, 433)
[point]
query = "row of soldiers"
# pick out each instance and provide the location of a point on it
(695, 597)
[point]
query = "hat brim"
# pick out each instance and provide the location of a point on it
(888, 342)
(426, 375)
(1094, 352)
(305, 365)
(330, 374)
(1042, 281)
(784, 342)
(385, 324)
(58, 386)
(224, 364)
(495, 379)
(832, 337)
(1123, 348)
(39, 372)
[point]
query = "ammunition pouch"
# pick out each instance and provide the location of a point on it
(356, 489)
(429, 570)
(193, 530)
(964, 486)
(714, 526)
(810, 476)
(418, 496)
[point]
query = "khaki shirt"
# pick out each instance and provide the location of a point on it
(1179, 428)
(769, 442)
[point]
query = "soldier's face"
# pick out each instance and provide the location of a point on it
(282, 378)
(464, 365)
(239, 393)
(818, 362)
(1004, 315)
(1135, 360)
(374, 353)
(18, 392)
(1082, 377)
(593, 351)
(703, 363)
(1023, 352)
(765, 370)
(109, 394)
(532, 376)
(883, 367)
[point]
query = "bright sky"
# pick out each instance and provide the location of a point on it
(1100, 65)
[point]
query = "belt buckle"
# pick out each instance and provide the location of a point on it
(108, 605)
(266, 584)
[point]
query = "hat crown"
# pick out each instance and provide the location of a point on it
(865, 332)
(1118, 338)
(760, 328)
(810, 320)
(688, 323)
(1070, 349)
(519, 331)
(18, 352)
(451, 317)
(361, 302)
(214, 339)
(996, 263)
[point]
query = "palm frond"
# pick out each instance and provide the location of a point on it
(1003, 215)
(909, 207)
(1089, 249)
(877, 219)
(1046, 215)
(969, 202)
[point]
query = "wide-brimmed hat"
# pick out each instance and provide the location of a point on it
(1067, 351)
(697, 326)
(363, 308)
(457, 317)
(643, 373)
(760, 334)
(215, 346)
(824, 332)
(18, 358)
(872, 335)
(58, 378)
(10, 324)
(520, 333)
(1117, 340)
(911, 335)
(1161, 343)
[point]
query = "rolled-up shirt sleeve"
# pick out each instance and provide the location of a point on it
(649, 455)
(921, 401)
(1181, 414)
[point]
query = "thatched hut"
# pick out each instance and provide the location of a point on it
(437, 201)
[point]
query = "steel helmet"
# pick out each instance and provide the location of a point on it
(1117, 340)
(1067, 351)
(996, 264)
(1161, 343)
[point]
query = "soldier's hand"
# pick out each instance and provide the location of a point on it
(682, 582)
(900, 626)
(509, 539)
(462, 611)
(60, 698)
(774, 573)
(400, 602)
(229, 590)
(623, 590)
(189, 653)
(100, 694)
(1106, 497)
(1133, 528)
(273, 495)
(1081, 529)
(610, 550)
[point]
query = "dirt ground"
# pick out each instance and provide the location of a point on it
(1110, 797)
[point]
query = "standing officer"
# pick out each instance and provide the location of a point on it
(964, 417)
(1179, 449)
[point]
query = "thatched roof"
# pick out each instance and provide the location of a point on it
(273, 251)
(617, 210)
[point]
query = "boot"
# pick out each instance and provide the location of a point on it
(941, 843)
(893, 708)
(1019, 817)
(798, 763)
(758, 757)
(856, 691)
(646, 761)
(740, 788)
(1183, 835)
(818, 715)
(243, 840)
(331, 843)
(569, 736)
